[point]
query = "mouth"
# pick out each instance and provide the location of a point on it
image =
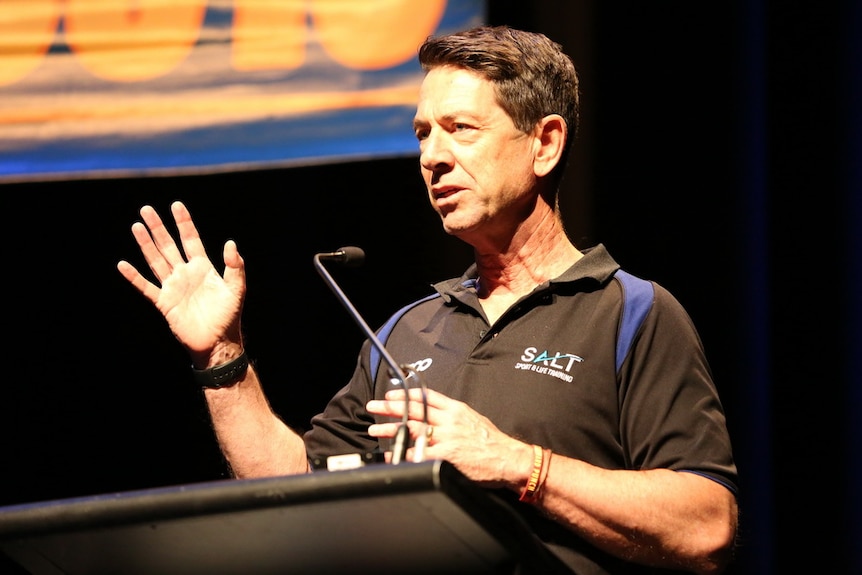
(443, 192)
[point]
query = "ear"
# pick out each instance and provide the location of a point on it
(551, 133)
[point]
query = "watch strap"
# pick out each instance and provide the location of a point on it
(223, 375)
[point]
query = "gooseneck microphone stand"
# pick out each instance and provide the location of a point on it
(352, 256)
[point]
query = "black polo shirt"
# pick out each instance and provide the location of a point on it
(545, 373)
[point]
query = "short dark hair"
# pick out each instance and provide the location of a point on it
(531, 74)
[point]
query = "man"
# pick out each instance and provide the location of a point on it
(623, 469)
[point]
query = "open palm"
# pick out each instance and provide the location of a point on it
(201, 307)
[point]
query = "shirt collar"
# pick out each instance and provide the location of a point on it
(597, 265)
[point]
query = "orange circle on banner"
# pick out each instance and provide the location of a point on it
(374, 34)
(27, 28)
(132, 41)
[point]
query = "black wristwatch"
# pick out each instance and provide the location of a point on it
(223, 375)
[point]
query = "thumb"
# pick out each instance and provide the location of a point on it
(234, 268)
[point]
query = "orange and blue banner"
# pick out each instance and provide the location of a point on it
(96, 88)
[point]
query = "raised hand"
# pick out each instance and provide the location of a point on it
(202, 307)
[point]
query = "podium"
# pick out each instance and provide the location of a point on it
(411, 518)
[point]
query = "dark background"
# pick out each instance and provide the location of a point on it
(720, 156)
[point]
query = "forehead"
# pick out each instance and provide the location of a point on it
(449, 90)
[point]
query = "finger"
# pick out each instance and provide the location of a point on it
(420, 444)
(148, 289)
(395, 408)
(234, 269)
(395, 394)
(434, 399)
(386, 407)
(189, 236)
(383, 429)
(421, 430)
(417, 410)
(154, 258)
(161, 237)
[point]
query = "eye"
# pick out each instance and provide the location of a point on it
(459, 127)
(421, 133)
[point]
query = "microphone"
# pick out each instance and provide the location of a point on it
(352, 256)
(348, 256)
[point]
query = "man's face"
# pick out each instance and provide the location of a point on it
(477, 166)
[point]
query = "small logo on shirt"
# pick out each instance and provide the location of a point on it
(554, 364)
(416, 367)
(422, 364)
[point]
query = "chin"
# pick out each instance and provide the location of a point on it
(456, 228)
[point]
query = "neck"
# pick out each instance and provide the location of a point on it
(539, 251)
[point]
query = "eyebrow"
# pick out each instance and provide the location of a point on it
(450, 117)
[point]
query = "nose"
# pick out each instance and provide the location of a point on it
(435, 152)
